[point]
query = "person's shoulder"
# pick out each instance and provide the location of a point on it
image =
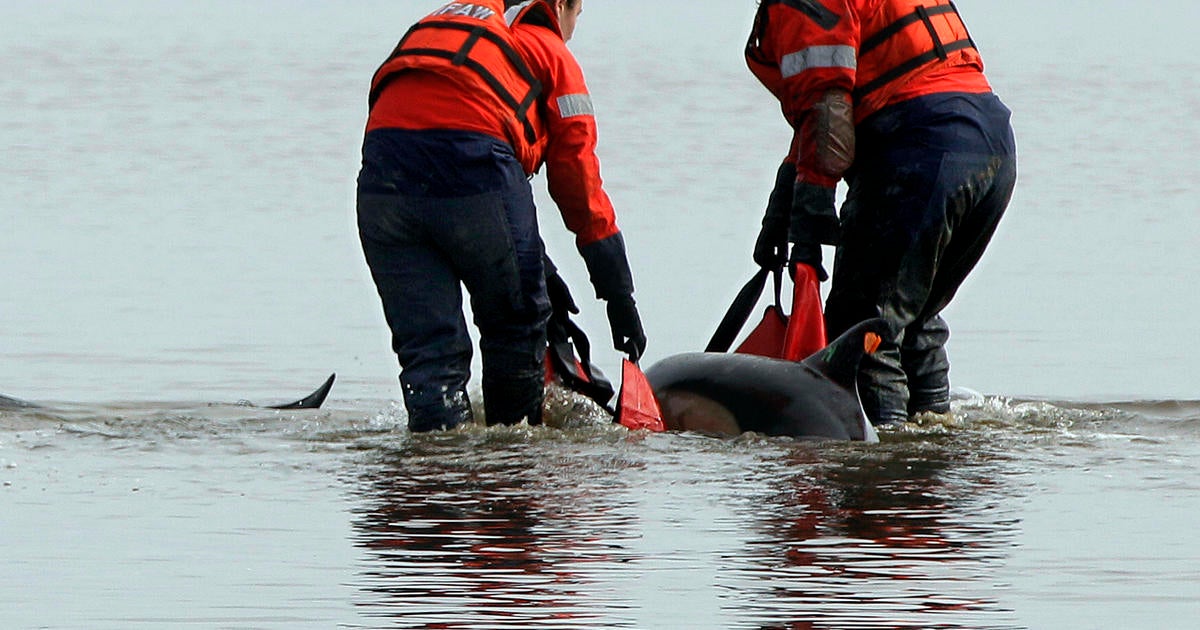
(539, 35)
(544, 48)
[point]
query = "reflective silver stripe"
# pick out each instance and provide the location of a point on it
(511, 14)
(818, 57)
(575, 105)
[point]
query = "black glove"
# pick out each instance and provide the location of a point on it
(814, 218)
(609, 271)
(809, 254)
(770, 250)
(608, 268)
(627, 333)
(814, 222)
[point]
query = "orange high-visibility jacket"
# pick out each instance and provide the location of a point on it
(471, 66)
(882, 52)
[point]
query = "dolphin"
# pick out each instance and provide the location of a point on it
(728, 394)
(14, 403)
(311, 401)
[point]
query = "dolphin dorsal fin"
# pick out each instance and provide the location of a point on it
(839, 360)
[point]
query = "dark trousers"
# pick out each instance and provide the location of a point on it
(438, 211)
(931, 180)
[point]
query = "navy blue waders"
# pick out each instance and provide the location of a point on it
(439, 210)
(931, 179)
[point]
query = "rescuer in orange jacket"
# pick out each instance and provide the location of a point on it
(475, 98)
(889, 95)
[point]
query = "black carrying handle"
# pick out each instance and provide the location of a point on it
(741, 308)
(566, 345)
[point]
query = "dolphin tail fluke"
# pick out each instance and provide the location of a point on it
(313, 400)
(839, 360)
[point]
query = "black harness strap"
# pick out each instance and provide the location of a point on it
(909, 66)
(824, 18)
(462, 58)
(513, 56)
(467, 45)
(937, 41)
(964, 24)
(941, 50)
(875, 40)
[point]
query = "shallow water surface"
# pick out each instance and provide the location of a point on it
(226, 516)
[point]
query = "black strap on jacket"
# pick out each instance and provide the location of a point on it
(941, 50)
(461, 57)
(824, 18)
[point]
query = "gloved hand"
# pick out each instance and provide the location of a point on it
(770, 250)
(609, 271)
(626, 325)
(814, 222)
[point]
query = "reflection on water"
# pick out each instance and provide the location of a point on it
(987, 522)
(544, 528)
(906, 535)
(491, 528)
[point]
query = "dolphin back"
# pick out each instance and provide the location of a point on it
(764, 395)
(813, 399)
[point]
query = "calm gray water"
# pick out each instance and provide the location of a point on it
(176, 191)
